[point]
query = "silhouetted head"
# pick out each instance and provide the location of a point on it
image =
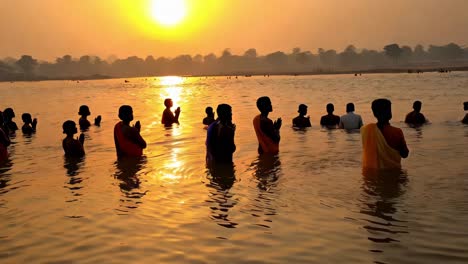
(126, 113)
(84, 110)
(465, 106)
(209, 111)
(417, 106)
(224, 112)
(302, 109)
(69, 127)
(26, 117)
(264, 104)
(349, 108)
(382, 109)
(8, 114)
(168, 102)
(330, 108)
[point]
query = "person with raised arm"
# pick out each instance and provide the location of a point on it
(267, 131)
(127, 138)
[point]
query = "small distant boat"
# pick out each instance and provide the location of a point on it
(127, 81)
(248, 75)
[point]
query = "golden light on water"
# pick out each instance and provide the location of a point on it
(168, 12)
(171, 88)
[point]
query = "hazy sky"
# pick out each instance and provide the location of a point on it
(48, 29)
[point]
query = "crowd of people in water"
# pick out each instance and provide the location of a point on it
(383, 144)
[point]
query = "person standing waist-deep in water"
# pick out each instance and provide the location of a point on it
(128, 141)
(301, 120)
(210, 117)
(350, 121)
(84, 122)
(465, 107)
(29, 126)
(416, 118)
(220, 144)
(4, 140)
(383, 144)
(9, 124)
(268, 133)
(168, 118)
(330, 120)
(73, 147)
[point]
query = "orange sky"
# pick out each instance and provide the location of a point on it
(51, 28)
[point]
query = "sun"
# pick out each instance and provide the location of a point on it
(168, 12)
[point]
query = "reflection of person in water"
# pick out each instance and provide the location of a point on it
(210, 117)
(128, 141)
(383, 144)
(268, 133)
(222, 178)
(267, 170)
(168, 118)
(381, 193)
(301, 120)
(220, 137)
(127, 173)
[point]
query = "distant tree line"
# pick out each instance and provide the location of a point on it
(297, 61)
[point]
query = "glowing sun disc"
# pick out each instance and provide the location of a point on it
(168, 12)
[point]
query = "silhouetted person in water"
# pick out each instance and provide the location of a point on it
(210, 117)
(73, 147)
(268, 133)
(416, 118)
(128, 141)
(4, 140)
(168, 118)
(220, 137)
(465, 107)
(302, 121)
(350, 120)
(383, 144)
(29, 126)
(8, 116)
(330, 120)
(84, 122)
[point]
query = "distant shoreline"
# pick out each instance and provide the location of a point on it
(414, 70)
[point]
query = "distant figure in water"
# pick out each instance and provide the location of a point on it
(302, 121)
(73, 147)
(220, 137)
(9, 124)
(416, 118)
(350, 121)
(29, 126)
(84, 122)
(210, 116)
(330, 120)
(268, 133)
(383, 144)
(4, 140)
(128, 141)
(465, 107)
(168, 118)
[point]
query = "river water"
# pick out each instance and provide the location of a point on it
(310, 204)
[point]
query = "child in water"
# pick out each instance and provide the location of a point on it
(29, 126)
(168, 118)
(72, 147)
(84, 113)
(210, 117)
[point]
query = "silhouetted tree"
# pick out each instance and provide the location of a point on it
(27, 64)
(393, 51)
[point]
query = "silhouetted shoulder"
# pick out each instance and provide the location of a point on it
(465, 120)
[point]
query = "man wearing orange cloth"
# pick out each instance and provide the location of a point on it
(267, 132)
(383, 144)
